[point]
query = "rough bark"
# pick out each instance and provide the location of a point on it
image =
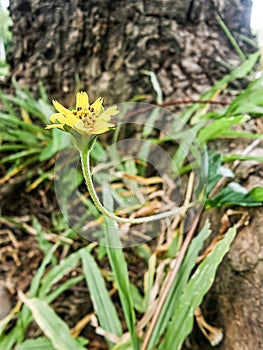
(102, 47)
(239, 286)
(105, 44)
(235, 301)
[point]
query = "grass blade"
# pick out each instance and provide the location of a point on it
(182, 321)
(24, 317)
(104, 307)
(120, 270)
(51, 324)
(40, 343)
(179, 284)
(218, 127)
(231, 38)
(58, 271)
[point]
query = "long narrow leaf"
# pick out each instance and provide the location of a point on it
(59, 271)
(24, 317)
(179, 284)
(51, 324)
(182, 321)
(216, 128)
(120, 270)
(40, 343)
(105, 310)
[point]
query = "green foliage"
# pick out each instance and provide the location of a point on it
(183, 312)
(40, 343)
(120, 271)
(179, 285)
(41, 287)
(233, 193)
(231, 38)
(5, 39)
(26, 145)
(53, 327)
(216, 171)
(103, 306)
(23, 140)
(6, 23)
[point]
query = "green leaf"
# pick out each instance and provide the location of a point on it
(179, 285)
(214, 163)
(123, 345)
(250, 101)
(137, 298)
(43, 243)
(217, 127)
(17, 155)
(231, 38)
(235, 194)
(40, 343)
(216, 171)
(58, 272)
(155, 114)
(103, 306)
(98, 152)
(52, 325)
(149, 123)
(243, 70)
(229, 133)
(232, 157)
(155, 84)
(119, 268)
(188, 146)
(62, 288)
(58, 142)
(16, 335)
(257, 193)
(200, 282)
(35, 284)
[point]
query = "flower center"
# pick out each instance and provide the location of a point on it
(88, 116)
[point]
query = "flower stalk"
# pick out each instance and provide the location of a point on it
(86, 169)
(83, 122)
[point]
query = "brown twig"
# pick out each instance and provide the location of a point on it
(213, 334)
(188, 100)
(176, 103)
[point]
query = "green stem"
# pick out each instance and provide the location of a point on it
(85, 162)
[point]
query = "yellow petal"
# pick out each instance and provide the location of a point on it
(85, 100)
(108, 113)
(99, 131)
(56, 116)
(82, 100)
(101, 127)
(71, 120)
(78, 101)
(53, 126)
(61, 109)
(97, 105)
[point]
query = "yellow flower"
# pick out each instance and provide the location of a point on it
(85, 118)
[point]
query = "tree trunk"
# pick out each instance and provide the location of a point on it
(102, 47)
(235, 300)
